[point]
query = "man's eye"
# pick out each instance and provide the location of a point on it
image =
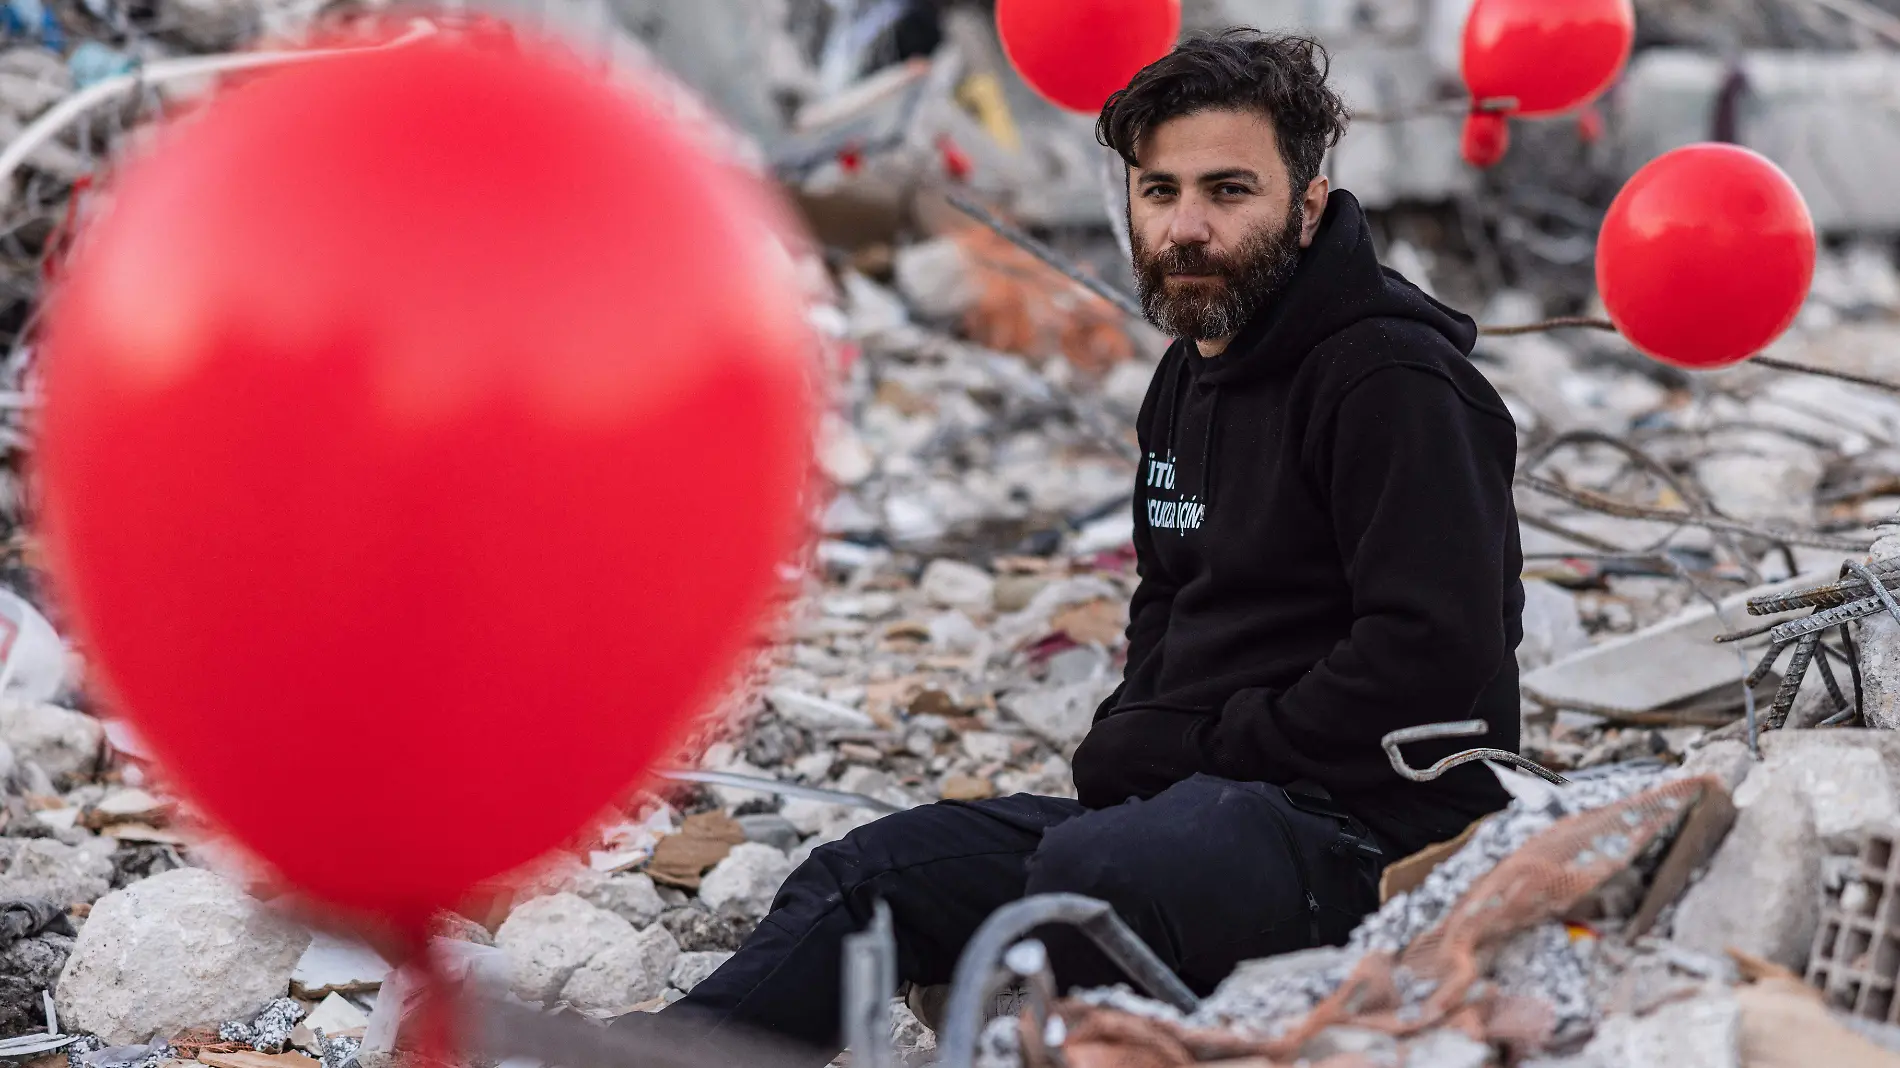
(1155, 191)
(1232, 190)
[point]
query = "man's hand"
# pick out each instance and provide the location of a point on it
(1139, 753)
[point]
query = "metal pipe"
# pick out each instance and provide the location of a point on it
(774, 786)
(975, 977)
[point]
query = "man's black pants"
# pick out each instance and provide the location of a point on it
(1209, 873)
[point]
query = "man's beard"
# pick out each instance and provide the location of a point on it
(1235, 288)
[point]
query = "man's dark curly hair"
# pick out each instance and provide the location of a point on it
(1280, 75)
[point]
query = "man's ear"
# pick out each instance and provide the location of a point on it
(1314, 202)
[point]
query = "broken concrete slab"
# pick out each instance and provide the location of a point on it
(549, 939)
(28, 968)
(629, 895)
(1815, 792)
(1878, 637)
(179, 950)
(1446, 1048)
(1060, 715)
(63, 742)
(1552, 627)
(744, 883)
(333, 965)
(336, 1017)
(955, 584)
(1703, 1032)
(46, 868)
(624, 973)
(1727, 759)
(691, 969)
(1672, 661)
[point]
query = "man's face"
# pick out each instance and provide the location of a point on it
(1215, 224)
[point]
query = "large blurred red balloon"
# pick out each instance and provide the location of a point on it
(1706, 256)
(1077, 53)
(1552, 56)
(423, 431)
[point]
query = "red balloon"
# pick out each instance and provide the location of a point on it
(424, 430)
(1550, 55)
(1078, 53)
(1706, 256)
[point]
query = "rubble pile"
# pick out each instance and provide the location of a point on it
(961, 615)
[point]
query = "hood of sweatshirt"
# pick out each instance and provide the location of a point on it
(1328, 549)
(1339, 282)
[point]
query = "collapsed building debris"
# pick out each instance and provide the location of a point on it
(963, 610)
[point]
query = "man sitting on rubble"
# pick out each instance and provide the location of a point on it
(1328, 552)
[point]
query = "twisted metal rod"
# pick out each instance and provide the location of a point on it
(1696, 502)
(1598, 502)
(1464, 728)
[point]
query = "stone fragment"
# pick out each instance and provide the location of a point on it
(1775, 485)
(744, 883)
(1845, 779)
(954, 584)
(816, 713)
(1670, 661)
(1446, 1048)
(809, 816)
(179, 950)
(936, 278)
(630, 896)
(692, 968)
(1814, 792)
(1552, 627)
(28, 967)
(842, 453)
(1339, 1041)
(954, 632)
(63, 874)
(549, 939)
(1127, 386)
(1060, 715)
(334, 1016)
(700, 931)
(212, 25)
(624, 973)
(1014, 592)
(334, 965)
(989, 746)
(1878, 636)
(768, 828)
(63, 742)
(1703, 1032)
(1727, 759)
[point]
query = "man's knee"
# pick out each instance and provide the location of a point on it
(859, 856)
(1094, 858)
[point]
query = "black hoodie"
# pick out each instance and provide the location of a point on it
(1328, 552)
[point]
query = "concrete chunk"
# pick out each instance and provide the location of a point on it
(1815, 792)
(179, 950)
(1672, 661)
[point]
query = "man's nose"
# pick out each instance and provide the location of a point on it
(1189, 225)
